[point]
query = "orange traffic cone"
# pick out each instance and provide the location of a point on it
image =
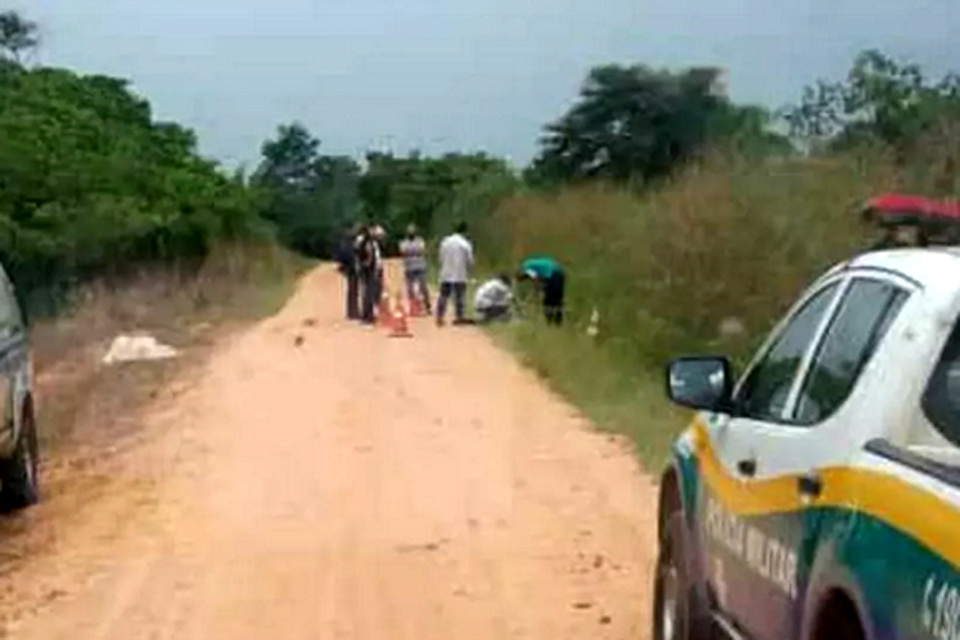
(400, 329)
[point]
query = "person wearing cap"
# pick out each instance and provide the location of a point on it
(550, 278)
(456, 260)
(413, 248)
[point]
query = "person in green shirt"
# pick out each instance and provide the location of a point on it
(550, 279)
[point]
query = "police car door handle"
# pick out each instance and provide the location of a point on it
(810, 485)
(747, 467)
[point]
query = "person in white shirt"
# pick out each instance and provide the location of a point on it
(380, 240)
(456, 260)
(493, 300)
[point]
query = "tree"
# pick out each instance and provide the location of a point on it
(630, 121)
(747, 130)
(90, 183)
(308, 196)
(397, 191)
(881, 100)
(17, 35)
(312, 198)
(288, 160)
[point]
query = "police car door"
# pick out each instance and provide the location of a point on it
(784, 430)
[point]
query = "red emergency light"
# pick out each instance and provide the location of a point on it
(895, 209)
(925, 220)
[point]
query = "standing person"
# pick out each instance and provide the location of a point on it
(413, 248)
(551, 280)
(347, 259)
(456, 259)
(368, 261)
(493, 299)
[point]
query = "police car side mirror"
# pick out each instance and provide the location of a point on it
(704, 383)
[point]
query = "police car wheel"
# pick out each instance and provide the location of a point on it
(672, 613)
(19, 487)
(837, 619)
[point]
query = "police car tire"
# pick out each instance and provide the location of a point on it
(672, 556)
(18, 475)
(837, 622)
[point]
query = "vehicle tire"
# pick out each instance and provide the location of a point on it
(846, 629)
(19, 487)
(838, 620)
(674, 617)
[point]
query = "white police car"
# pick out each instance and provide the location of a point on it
(819, 497)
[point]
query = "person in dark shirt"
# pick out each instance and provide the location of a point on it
(347, 260)
(370, 269)
(551, 279)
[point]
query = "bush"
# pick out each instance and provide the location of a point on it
(90, 183)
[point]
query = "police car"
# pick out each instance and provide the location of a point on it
(818, 498)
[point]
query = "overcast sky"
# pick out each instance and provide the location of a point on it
(455, 74)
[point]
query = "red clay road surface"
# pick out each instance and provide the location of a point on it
(351, 486)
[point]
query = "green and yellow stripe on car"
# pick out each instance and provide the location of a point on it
(879, 522)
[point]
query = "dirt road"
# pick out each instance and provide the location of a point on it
(351, 486)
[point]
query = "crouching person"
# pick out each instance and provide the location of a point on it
(493, 300)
